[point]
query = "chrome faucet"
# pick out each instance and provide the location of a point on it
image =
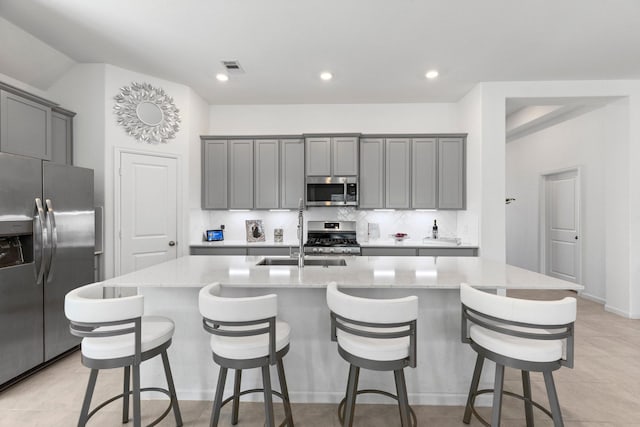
(300, 234)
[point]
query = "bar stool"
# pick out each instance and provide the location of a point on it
(375, 334)
(246, 334)
(117, 335)
(531, 336)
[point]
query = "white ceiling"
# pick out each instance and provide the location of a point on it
(378, 50)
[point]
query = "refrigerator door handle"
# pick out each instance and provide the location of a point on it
(51, 221)
(40, 240)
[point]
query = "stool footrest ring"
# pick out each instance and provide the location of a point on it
(341, 407)
(256, 390)
(504, 393)
(121, 395)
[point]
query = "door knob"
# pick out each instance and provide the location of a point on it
(172, 243)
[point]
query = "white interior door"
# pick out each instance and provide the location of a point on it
(148, 210)
(563, 246)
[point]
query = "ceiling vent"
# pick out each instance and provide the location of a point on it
(233, 67)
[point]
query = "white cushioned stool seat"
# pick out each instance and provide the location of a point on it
(251, 347)
(516, 347)
(156, 330)
(374, 348)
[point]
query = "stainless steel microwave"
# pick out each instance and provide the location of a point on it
(332, 191)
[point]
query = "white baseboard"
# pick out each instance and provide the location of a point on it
(619, 312)
(593, 298)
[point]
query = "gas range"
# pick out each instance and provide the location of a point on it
(331, 237)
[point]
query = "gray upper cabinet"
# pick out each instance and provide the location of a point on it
(261, 173)
(344, 156)
(25, 126)
(318, 159)
(397, 168)
(62, 136)
(241, 174)
(291, 173)
(332, 156)
(412, 172)
(451, 173)
(371, 192)
(266, 179)
(424, 173)
(214, 174)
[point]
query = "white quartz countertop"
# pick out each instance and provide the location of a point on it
(361, 271)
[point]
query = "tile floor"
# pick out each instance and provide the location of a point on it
(602, 390)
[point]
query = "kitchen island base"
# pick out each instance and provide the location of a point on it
(315, 371)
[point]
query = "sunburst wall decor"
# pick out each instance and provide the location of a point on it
(147, 113)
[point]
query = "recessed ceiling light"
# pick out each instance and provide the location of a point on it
(431, 74)
(222, 77)
(326, 76)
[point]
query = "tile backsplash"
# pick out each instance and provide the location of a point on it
(417, 224)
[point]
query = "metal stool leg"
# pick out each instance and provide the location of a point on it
(526, 392)
(172, 389)
(497, 395)
(473, 389)
(268, 401)
(136, 396)
(125, 394)
(91, 385)
(553, 399)
(352, 390)
(217, 401)
(285, 394)
(236, 396)
(403, 401)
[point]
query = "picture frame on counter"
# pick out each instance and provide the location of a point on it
(255, 230)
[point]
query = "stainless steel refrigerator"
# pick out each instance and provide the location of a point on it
(46, 250)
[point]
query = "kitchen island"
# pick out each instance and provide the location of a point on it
(315, 371)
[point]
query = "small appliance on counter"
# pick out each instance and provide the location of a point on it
(214, 235)
(331, 237)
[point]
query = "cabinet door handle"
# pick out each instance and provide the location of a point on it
(172, 243)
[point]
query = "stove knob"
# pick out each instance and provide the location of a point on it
(331, 250)
(315, 250)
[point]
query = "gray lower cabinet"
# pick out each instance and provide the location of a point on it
(218, 251)
(390, 251)
(241, 250)
(62, 136)
(214, 174)
(395, 251)
(451, 173)
(25, 126)
(448, 252)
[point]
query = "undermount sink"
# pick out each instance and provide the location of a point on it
(324, 262)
